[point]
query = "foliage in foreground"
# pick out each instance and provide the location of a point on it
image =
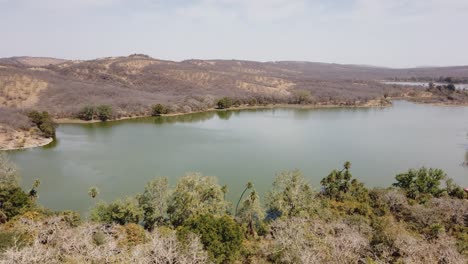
(343, 223)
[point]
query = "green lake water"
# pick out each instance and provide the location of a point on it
(240, 146)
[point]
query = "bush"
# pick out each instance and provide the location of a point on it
(224, 103)
(196, 195)
(48, 129)
(119, 212)
(44, 122)
(104, 112)
(14, 201)
(159, 109)
(290, 196)
(221, 236)
(153, 202)
(87, 113)
(421, 183)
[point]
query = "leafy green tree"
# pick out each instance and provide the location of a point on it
(38, 117)
(87, 113)
(14, 201)
(340, 186)
(44, 122)
(421, 182)
(153, 202)
(454, 190)
(221, 236)
(252, 213)
(224, 103)
(158, 110)
(290, 196)
(120, 212)
(104, 112)
(93, 192)
(248, 186)
(195, 195)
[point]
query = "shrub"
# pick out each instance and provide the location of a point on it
(153, 202)
(48, 129)
(224, 103)
(87, 113)
(104, 112)
(195, 195)
(159, 109)
(221, 236)
(290, 196)
(8, 172)
(421, 183)
(301, 97)
(119, 212)
(44, 122)
(14, 201)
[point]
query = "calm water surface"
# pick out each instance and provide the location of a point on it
(240, 146)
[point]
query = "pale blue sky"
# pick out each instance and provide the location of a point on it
(396, 33)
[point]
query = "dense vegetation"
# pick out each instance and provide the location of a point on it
(44, 122)
(421, 219)
(102, 112)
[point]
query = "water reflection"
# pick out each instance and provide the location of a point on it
(188, 118)
(224, 115)
(52, 144)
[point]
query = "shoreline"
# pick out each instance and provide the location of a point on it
(41, 142)
(371, 104)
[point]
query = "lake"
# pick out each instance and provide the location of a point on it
(248, 145)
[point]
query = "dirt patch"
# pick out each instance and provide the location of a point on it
(20, 90)
(18, 139)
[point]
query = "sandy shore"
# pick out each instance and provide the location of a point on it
(15, 140)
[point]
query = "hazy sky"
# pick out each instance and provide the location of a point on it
(397, 33)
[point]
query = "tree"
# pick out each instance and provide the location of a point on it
(153, 201)
(301, 97)
(421, 182)
(44, 122)
(451, 87)
(251, 212)
(290, 196)
(224, 103)
(195, 195)
(8, 173)
(14, 201)
(159, 109)
(104, 112)
(87, 113)
(221, 236)
(248, 186)
(93, 192)
(120, 212)
(33, 191)
(340, 186)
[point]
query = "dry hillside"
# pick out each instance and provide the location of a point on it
(132, 84)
